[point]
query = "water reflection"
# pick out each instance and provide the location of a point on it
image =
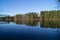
(50, 24)
(2, 22)
(44, 24)
(18, 21)
(31, 22)
(26, 22)
(18, 31)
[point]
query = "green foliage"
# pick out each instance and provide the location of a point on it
(50, 15)
(18, 17)
(31, 16)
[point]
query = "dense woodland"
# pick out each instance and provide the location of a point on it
(50, 15)
(44, 15)
(27, 16)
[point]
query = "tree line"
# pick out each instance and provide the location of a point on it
(44, 15)
(50, 15)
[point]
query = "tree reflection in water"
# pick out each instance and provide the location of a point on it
(26, 22)
(31, 22)
(50, 24)
(18, 21)
(44, 24)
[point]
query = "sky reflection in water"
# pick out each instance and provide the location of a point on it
(29, 30)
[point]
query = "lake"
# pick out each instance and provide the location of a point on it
(29, 30)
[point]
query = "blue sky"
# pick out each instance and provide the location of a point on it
(13, 7)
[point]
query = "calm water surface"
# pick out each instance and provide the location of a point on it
(28, 31)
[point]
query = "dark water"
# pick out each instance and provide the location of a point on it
(29, 30)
